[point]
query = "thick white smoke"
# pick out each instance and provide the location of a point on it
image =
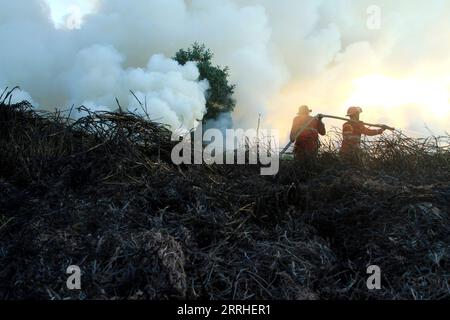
(58, 68)
(282, 53)
(163, 90)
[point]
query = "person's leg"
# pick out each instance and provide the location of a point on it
(299, 155)
(352, 156)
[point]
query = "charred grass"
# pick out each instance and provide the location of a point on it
(102, 193)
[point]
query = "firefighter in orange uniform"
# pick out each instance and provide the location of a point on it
(352, 132)
(307, 143)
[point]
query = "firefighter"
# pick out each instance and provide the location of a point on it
(352, 131)
(307, 142)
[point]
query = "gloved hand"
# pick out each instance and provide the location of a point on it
(320, 116)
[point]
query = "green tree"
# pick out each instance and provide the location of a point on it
(220, 94)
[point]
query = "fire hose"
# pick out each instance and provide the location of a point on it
(321, 116)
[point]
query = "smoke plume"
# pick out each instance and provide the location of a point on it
(281, 54)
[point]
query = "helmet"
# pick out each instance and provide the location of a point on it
(304, 110)
(353, 110)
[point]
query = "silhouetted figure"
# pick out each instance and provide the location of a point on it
(307, 142)
(352, 132)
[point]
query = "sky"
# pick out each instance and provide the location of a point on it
(61, 10)
(390, 58)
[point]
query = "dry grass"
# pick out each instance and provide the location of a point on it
(103, 194)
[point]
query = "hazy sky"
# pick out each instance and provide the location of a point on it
(61, 9)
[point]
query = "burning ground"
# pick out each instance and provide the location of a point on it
(102, 193)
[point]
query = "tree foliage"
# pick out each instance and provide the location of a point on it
(220, 94)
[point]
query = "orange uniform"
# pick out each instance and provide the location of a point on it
(352, 132)
(307, 143)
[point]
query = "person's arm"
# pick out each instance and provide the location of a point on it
(320, 126)
(371, 132)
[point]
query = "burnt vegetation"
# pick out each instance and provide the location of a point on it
(102, 193)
